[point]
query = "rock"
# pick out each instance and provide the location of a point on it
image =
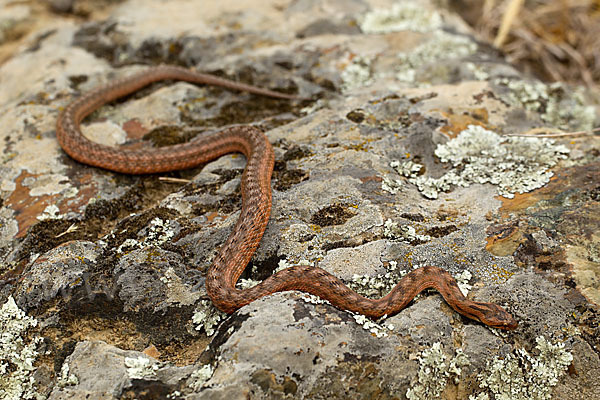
(400, 159)
(61, 6)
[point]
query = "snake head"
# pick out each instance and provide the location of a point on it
(495, 316)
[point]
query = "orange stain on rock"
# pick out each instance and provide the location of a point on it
(459, 122)
(503, 239)
(580, 178)
(27, 207)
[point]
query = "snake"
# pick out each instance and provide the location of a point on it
(244, 239)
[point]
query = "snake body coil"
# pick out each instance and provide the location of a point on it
(237, 251)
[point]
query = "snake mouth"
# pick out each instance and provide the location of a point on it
(507, 326)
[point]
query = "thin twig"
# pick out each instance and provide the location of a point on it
(173, 180)
(555, 135)
(507, 20)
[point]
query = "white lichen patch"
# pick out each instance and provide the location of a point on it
(16, 354)
(246, 283)
(522, 376)
(159, 232)
(390, 185)
(402, 16)
(106, 132)
(478, 70)
(284, 264)
(404, 233)
(156, 233)
(369, 325)
(128, 245)
(141, 367)
(312, 299)
(356, 74)
(66, 378)
(376, 286)
(200, 376)
(463, 281)
(435, 369)
(50, 212)
(373, 286)
(558, 106)
(174, 395)
(207, 317)
(441, 46)
(513, 164)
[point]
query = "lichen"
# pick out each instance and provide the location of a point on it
(207, 317)
(558, 106)
(16, 354)
(402, 16)
(200, 376)
(369, 325)
(434, 371)
(478, 70)
(513, 164)
(159, 232)
(155, 234)
(283, 264)
(522, 376)
(405, 233)
(462, 280)
(50, 212)
(66, 378)
(141, 367)
(174, 395)
(375, 286)
(441, 46)
(390, 185)
(312, 299)
(128, 245)
(356, 74)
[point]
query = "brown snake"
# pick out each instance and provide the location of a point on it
(237, 251)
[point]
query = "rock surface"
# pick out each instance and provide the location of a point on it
(401, 159)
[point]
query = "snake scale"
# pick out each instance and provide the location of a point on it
(243, 241)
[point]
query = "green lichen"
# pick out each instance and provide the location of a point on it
(522, 376)
(513, 164)
(463, 280)
(141, 367)
(375, 286)
(17, 355)
(441, 46)
(405, 233)
(207, 317)
(435, 369)
(157, 233)
(200, 376)
(357, 74)
(390, 185)
(478, 70)
(558, 105)
(374, 328)
(402, 16)
(66, 378)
